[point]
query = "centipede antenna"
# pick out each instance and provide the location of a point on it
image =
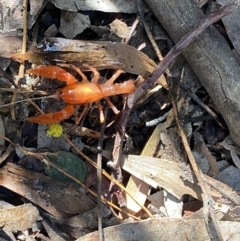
(36, 98)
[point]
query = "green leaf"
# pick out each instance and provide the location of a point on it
(69, 163)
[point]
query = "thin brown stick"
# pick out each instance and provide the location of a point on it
(7, 77)
(23, 51)
(99, 178)
(18, 91)
(134, 26)
(6, 153)
(147, 29)
(207, 199)
(198, 101)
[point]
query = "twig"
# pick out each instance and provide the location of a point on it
(157, 120)
(7, 139)
(7, 77)
(159, 70)
(99, 178)
(132, 30)
(23, 51)
(147, 29)
(197, 100)
(19, 91)
(207, 199)
(6, 153)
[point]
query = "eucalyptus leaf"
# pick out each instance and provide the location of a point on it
(69, 163)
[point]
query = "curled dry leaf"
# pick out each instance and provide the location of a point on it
(100, 54)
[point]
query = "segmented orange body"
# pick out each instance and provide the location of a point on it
(76, 93)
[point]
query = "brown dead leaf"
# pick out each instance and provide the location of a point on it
(18, 218)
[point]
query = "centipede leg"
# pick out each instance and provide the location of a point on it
(112, 106)
(96, 74)
(82, 115)
(114, 77)
(100, 111)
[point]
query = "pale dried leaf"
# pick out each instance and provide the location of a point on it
(35, 10)
(201, 161)
(51, 31)
(165, 229)
(157, 199)
(35, 6)
(201, 3)
(18, 218)
(234, 213)
(160, 173)
(11, 16)
(139, 190)
(173, 205)
(120, 28)
(231, 177)
(186, 172)
(222, 188)
(12, 45)
(73, 23)
(163, 173)
(203, 151)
